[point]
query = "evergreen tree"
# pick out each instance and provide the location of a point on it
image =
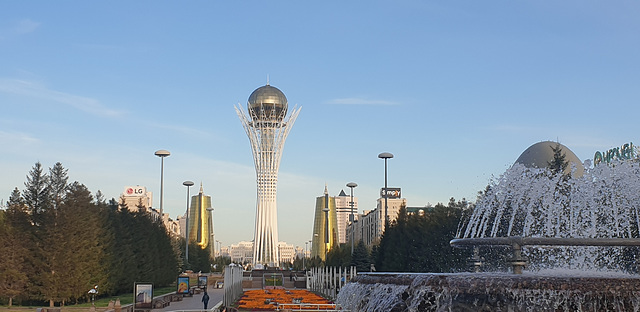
(420, 243)
(57, 184)
(100, 198)
(36, 194)
(84, 244)
(56, 242)
(361, 258)
(559, 163)
(339, 256)
(13, 253)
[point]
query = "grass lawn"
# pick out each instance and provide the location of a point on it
(101, 303)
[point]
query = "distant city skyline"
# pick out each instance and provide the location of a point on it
(456, 91)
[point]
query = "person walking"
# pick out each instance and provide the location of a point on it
(205, 299)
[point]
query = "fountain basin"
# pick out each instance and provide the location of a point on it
(553, 291)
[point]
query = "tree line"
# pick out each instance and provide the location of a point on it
(410, 243)
(57, 241)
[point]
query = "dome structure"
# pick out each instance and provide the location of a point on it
(267, 103)
(539, 155)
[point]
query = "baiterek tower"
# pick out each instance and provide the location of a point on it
(267, 127)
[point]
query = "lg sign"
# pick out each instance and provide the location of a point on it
(134, 191)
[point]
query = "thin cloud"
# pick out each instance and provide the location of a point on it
(11, 138)
(25, 26)
(35, 90)
(360, 101)
(181, 129)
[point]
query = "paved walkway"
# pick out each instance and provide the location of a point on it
(195, 303)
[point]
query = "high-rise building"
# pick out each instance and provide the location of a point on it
(343, 212)
(325, 229)
(241, 253)
(287, 253)
(136, 198)
(200, 222)
(267, 127)
(369, 225)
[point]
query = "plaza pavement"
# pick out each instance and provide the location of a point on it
(195, 303)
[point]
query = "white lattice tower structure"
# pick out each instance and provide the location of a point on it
(267, 127)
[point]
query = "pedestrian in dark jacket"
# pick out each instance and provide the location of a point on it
(205, 299)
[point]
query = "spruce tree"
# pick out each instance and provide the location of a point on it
(559, 163)
(14, 254)
(57, 184)
(361, 258)
(84, 244)
(36, 193)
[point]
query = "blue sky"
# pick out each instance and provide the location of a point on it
(456, 90)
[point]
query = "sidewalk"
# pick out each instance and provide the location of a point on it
(195, 303)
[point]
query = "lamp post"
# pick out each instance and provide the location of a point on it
(385, 156)
(188, 184)
(352, 185)
(304, 256)
(326, 224)
(162, 154)
(317, 238)
(210, 210)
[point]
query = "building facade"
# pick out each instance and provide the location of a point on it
(136, 198)
(241, 253)
(287, 253)
(370, 225)
(343, 214)
(325, 226)
(201, 223)
(267, 127)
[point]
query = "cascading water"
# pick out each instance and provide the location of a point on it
(526, 202)
(530, 202)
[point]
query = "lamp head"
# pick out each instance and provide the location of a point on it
(385, 155)
(162, 153)
(352, 184)
(187, 183)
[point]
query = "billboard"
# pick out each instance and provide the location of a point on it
(202, 281)
(143, 296)
(183, 285)
(134, 191)
(392, 192)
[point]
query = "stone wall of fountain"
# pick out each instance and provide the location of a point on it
(490, 292)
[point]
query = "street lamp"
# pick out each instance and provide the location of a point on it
(162, 154)
(352, 185)
(210, 210)
(188, 184)
(304, 256)
(385, 156)
(326, 224)
(317, 238)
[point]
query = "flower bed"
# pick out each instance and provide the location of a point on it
(269, 299)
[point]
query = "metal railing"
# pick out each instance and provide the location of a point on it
(518, 261)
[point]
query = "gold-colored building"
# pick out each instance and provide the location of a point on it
(325, 226)
(201, 222)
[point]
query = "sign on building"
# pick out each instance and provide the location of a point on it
(134, 191)
(392, 192)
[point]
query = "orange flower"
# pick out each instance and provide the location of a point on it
(265, 300)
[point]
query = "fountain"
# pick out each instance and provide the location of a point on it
(569, 241)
